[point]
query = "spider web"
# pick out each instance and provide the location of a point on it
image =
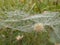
(19, 20)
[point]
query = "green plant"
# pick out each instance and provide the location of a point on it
(16, 18)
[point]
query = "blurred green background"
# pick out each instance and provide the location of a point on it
(8, 36)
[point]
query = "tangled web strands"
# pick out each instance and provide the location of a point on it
(19, 20)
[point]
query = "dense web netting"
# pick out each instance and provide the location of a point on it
(19, 20)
